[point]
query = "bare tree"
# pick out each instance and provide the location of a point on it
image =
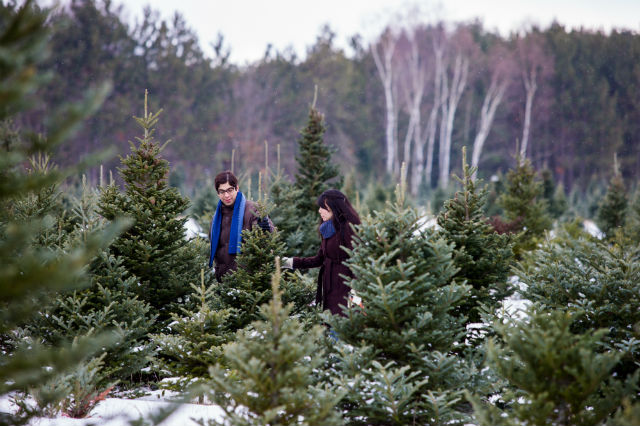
(499, 66)
(535, 65)
(438, 99)
(383, 55)
(457, 64)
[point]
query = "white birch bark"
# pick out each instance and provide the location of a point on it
(530, 86)
(452, 97)
(492, 99)
(384, 65)
(432, 123)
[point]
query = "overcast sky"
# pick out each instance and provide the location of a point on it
(249, 25)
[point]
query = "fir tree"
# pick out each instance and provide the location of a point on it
(482, 256)
(249, 287)
(612, 211)
(523, 204)
(599, 281)
(313, 174)
(554, 194)
(153, 249)
(271, 370)
(399, 369)
(29, 271)
(196, 338)
(558, 377)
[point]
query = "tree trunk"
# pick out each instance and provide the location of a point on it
(385, 70)
(530, 86)
(491, 101)
(452, 97)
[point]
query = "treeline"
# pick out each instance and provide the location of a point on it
(566, 99)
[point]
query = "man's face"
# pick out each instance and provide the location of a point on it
(227, 194)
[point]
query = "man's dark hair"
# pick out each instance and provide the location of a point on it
(226, 177)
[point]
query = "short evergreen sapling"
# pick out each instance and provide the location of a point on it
(482, 256)
(524, 205)
(196, 338)
(153, 249)
(598, 281)
(613, 209)
(397, 366)
(268, 379)
(249, 287)
(558, 376)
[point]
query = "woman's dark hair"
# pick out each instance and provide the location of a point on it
(343, 212)
(226, 177)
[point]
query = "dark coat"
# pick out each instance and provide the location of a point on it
(332, 291)
(224, 261)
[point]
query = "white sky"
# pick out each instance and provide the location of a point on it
(249, 25)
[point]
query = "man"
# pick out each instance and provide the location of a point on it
(233, 215)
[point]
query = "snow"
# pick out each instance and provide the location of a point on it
(193, 229)
(119, 411)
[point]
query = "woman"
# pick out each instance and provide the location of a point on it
(337, 215)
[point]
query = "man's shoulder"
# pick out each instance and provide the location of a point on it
(251, 207)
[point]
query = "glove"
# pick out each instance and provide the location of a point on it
(287, 262)
(264, 224)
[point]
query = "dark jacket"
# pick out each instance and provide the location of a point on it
(224, 261)
(332, 291)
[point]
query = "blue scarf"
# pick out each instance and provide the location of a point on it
(235, 236)
(327, 230)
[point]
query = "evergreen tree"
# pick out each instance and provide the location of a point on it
(554, 194)
(523, 203)
(633, 222)
(196, 338)
(29, 271)
(482, 256)
(153, 249)
(271, 370)
(598, 281)
(558, 377)
(612, 210)
(249, 287)
(313, 174)
(397, 366)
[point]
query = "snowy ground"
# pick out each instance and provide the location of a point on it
(119, 411)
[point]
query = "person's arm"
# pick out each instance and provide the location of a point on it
(309, 262)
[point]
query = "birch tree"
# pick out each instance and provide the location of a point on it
(383, 55)
(499, 68)
(453, 82)
(535, 66)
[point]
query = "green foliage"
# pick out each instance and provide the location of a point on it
(196, 338)
(153, 249)
(554, 194)
(482, 257)
(598, 282)
(30, 272)
(523, 203)
(558, 377)
(315, 171)
(269, 379)
(406, 323)
(249, 287)
(613, 209)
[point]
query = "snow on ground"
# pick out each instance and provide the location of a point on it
(119, 411)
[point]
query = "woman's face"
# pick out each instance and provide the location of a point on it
(325, 213)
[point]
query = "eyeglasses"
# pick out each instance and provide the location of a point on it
(229, 191)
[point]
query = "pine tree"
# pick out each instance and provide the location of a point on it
(196, 338)
(397, 366)
(558, 376)
(271, 370)
(313, 174)
(29, 271)
(482, 256)
(523, 203)
(554, 194)
(612, 210)
(598, 281)
(249, 287)
(153, 249)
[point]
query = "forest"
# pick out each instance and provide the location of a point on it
(103, 297)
